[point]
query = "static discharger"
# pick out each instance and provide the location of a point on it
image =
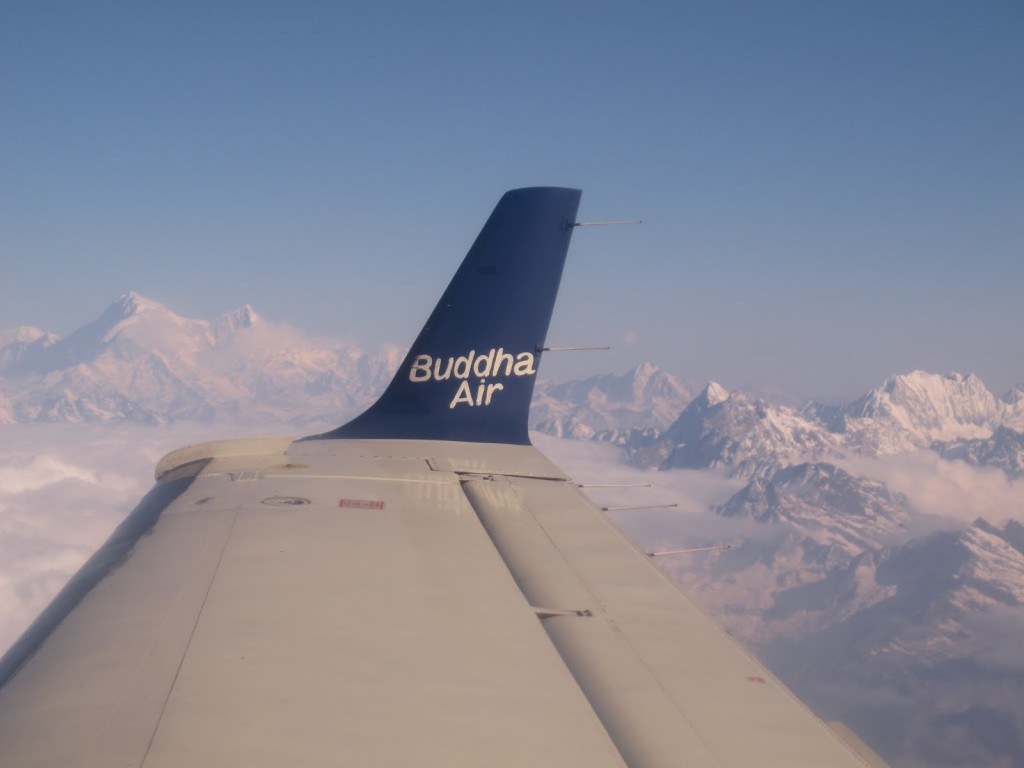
(719, 548)
(605, 223)
(638, 506)
(570, 349)
(613, 485)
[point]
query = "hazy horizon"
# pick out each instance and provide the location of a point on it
(564, 366)
(830, 193)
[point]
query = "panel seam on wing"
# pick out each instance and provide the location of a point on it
(188, 644)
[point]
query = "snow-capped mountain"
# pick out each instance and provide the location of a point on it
(846, 544)
(814, 520)
(871, 616)
(940, 643)
(139, 361)
(729, 429)
(914, 410)
(1003, 450)
(831, 507)
(20, 346)
(937, 646)
(953, 414)
(748, 436)
(1013, 408)
(608, 407)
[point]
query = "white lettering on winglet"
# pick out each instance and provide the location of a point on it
(491, 364)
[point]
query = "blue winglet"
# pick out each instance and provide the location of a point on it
(470, 373)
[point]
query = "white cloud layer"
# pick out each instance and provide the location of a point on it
(694, 490)
(954, 492)
(63, 489)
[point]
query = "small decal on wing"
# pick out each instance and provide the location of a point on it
(285, 501)
(361, 504)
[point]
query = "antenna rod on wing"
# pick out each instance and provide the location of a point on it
(605, 223)
(688, 551)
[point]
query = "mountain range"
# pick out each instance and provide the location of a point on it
(614, 408)
(898, 631)
(892, 611)
(141, 362)
(953, 414)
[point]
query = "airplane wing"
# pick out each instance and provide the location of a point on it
(418, 587)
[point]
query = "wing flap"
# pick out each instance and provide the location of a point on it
(664, 679)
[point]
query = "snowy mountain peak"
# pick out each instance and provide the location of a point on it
(131, 324)
(21, 346)
(713, 394)
(24, 334)
(822, 495)
(912, 410)
(1004, 449)
(237, 319)
(141, 361)
(241, 317)
(934, 386)
(607, 407)
(129, 311)
(1013, 408)
(720, 429)
(939, 402)
(129, 305)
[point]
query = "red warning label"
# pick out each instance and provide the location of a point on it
(361, 504)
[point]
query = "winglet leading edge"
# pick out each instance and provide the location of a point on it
(470, 373)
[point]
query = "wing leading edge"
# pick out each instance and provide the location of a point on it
(420, 587)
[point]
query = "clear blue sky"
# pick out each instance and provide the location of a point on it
(832, 191)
